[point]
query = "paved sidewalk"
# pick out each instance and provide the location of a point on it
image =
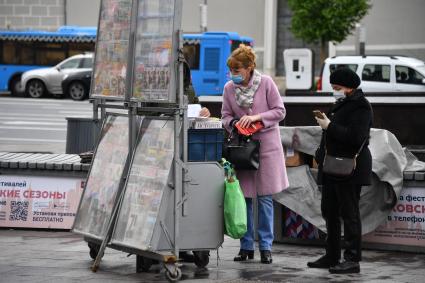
(39, 256)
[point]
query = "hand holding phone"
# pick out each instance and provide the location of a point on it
(318, 114)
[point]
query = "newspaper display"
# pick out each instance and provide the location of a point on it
(112, 49)
(153, 51)
(104, 179)
(148, 177)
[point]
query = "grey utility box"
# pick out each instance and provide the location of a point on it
(202, 225)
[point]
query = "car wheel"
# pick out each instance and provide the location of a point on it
(15, 86)
(35, 89)
(77, 91)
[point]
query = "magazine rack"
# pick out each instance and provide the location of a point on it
(142, 196)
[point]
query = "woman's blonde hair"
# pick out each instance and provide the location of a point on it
(244, 56)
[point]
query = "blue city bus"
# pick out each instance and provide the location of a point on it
(21, 51)
(206, 54)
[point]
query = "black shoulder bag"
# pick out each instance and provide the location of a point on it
(340, 166)
(242, 151)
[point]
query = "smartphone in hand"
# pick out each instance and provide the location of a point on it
(318, 114)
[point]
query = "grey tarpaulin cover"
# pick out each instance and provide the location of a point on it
(390, 160)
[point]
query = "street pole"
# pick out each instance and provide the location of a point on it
(203, 15)
(360, 40)
(270, 24)
(362, 37)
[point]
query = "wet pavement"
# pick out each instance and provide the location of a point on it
(46, 256)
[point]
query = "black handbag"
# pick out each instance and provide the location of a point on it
(242, 151)
(342, 167)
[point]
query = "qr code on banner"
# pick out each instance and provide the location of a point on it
(18, 210)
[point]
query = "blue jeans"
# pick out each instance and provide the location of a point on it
(265, 224)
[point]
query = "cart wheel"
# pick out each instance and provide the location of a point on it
(143, 264)
(201, 258)
(94, 250)
(173, 276)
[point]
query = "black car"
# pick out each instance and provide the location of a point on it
(77, 85)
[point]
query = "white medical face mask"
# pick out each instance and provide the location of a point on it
(338, 94)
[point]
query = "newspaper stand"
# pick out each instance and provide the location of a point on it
(142, 196)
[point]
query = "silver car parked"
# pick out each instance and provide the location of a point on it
(37, 83)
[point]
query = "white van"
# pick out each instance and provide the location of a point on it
(378, 73)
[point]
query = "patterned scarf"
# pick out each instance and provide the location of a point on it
(245, 95)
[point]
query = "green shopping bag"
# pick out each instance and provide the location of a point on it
(234, 209)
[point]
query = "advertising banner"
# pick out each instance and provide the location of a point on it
(39, 202)
(406, 223)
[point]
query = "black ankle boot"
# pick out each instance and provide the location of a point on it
(243, 255)
(266, 257)
(324, 261)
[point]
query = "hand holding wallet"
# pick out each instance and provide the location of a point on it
(252, 129)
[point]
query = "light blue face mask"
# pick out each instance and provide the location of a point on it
(238, 79)
(338, 94)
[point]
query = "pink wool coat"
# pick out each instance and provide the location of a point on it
(270, 178)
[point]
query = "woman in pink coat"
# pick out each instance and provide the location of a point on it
(250, 97)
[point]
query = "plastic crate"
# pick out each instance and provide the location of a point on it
(205, 144)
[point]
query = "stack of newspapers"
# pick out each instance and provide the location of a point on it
(197, 122)
(205, 123)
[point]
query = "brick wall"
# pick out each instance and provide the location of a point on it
(36, 14)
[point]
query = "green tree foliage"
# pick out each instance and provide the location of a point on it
(320, 21)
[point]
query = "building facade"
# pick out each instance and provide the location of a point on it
(82, 12)
(392, 26)
(37, 14)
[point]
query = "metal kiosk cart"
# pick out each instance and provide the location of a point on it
(141, 195)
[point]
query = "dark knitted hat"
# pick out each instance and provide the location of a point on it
(345, 77)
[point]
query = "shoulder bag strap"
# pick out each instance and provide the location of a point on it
(361, 147)
(357, 153)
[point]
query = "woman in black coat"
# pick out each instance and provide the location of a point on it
(344, 133)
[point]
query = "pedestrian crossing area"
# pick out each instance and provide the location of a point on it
(28, 125)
